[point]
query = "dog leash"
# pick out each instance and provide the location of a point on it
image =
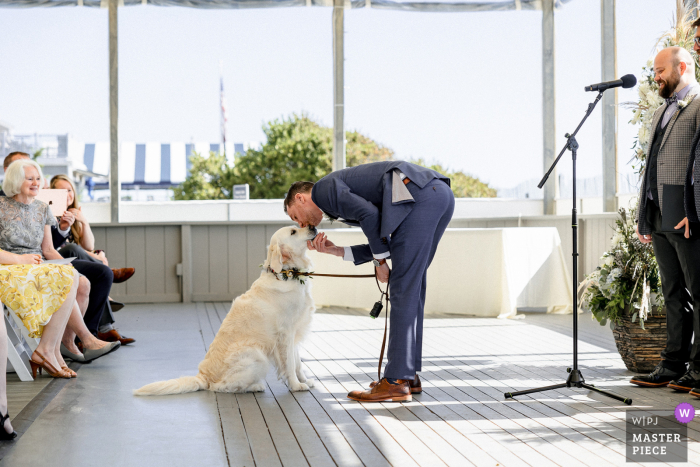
(376, 310)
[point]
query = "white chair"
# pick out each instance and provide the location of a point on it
(19, 345)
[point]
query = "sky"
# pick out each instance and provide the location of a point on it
(460, 89)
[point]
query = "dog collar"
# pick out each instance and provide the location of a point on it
(286, 274)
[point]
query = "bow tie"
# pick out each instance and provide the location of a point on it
(672, 100)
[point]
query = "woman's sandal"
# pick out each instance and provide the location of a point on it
(4, 435)
(72, 373)
(44, 364)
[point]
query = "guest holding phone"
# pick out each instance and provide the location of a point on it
(80, 244)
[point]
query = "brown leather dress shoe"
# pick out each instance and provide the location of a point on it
(113, 335)
(384, 392)
(122, 274)
(414, 385)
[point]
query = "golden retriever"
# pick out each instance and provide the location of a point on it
(265, 325)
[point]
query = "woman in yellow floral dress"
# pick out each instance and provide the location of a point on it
(42, 295)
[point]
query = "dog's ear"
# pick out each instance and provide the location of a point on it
(277, 255)
(285, 254)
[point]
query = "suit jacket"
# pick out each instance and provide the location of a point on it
(692, 191)
(674, 152)
(373, 197)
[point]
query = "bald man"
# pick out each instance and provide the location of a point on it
(663, 179)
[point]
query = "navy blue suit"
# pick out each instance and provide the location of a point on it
(407, 221)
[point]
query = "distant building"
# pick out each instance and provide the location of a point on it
(142, 166)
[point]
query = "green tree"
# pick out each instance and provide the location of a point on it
(463, 185)
(297, 148)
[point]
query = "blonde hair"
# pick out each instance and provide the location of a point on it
(15, 175)
(77, 227)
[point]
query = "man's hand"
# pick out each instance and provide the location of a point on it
(29, 259)
(101, 256)
(323, 245)
(684, 223)
(383, 272)
(642, 238)
(66, 221)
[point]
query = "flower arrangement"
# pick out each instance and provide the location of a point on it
(681, 35)
(628, 277)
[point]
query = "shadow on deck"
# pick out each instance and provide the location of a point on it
(459, 419)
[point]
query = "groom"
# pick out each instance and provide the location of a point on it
(403, 209)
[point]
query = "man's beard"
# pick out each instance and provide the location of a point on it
(670, 85)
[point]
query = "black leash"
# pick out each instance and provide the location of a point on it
(374, 313)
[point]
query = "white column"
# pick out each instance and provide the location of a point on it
(338, 86)
(551, 188)
(609, 104)
(114, 185)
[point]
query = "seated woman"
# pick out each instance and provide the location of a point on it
(25, 232)
(80, 242)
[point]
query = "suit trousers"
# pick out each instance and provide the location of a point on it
(412, 247)
(101, 278)
(679, 265)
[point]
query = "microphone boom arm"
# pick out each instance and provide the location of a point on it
(570, 137)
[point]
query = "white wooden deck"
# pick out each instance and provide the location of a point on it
(460, 418)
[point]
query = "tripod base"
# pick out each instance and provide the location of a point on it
(575, 379)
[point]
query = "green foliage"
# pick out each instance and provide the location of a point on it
(463, 185)
(297, 148)
(628, 279)
(209, 178)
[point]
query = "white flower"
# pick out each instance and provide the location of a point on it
(608, 261)
(643, 135)
(644, 88)
(685, 101)
(636, 116)
(617, 239)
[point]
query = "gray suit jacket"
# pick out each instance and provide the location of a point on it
(373, 197)
(692, 191)
(674, 152)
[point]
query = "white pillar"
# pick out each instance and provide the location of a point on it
(549, 149)
(609, 104)
(114, 185)
(338, 86)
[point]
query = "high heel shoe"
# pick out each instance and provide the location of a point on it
(4, 435)
(44, 364)
(72, 373)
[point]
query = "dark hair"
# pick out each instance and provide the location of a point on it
(696, 23)
(9, 159)
(297, 187)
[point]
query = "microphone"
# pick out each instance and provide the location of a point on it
(626, 81)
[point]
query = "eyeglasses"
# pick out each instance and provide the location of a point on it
(697, 41)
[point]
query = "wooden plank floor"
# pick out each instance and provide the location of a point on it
(21, 393)
(460, 419)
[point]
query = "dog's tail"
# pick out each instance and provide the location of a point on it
(180, 385)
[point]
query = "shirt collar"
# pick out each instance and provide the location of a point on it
(683, 92)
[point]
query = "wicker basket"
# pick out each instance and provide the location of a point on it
(639, 348)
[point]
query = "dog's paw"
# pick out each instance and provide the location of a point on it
(259, 387)
(299, 387)
(310, 383)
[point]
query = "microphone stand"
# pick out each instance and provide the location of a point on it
(575, 378)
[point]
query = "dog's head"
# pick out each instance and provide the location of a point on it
(288, 248)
